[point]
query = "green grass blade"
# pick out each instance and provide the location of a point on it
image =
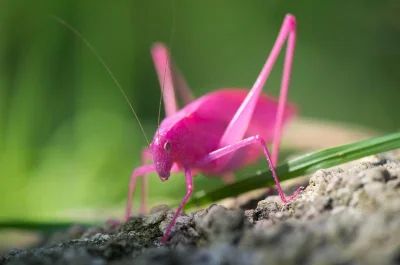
(303, 165)
(44, 227)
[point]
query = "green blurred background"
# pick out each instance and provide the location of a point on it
(68, 140)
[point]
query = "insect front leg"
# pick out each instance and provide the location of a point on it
(243, 143)
(189, 190)
(240, 122)
(146, 158)
(140, 171)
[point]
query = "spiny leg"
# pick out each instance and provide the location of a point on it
(290, 27)
(140, 171)
(146, 158)
(240, 144)
(181, 86)
(240, 121)
(189, 190)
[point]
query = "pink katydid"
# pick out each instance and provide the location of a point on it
(215, 134)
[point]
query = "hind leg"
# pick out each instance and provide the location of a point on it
(240, 122)
(170, 79)
(287, 68)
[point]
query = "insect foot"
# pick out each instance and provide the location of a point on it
(295, 194)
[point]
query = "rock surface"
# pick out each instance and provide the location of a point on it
(346, 215)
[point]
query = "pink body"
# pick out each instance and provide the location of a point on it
(219, 132)
(196, 130)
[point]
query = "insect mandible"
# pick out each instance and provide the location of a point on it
(219, 132)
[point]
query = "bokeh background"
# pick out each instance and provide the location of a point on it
(68, 140)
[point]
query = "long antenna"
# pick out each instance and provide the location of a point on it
(166, 63)
(76, 32)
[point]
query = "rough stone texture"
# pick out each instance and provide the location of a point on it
(346, 215)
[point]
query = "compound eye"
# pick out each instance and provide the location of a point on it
(167, 147)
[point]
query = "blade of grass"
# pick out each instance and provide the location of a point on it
(303, 165)
(300, 166)
(44, 227)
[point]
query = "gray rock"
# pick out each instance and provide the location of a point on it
(220, 225)
(344, 216)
